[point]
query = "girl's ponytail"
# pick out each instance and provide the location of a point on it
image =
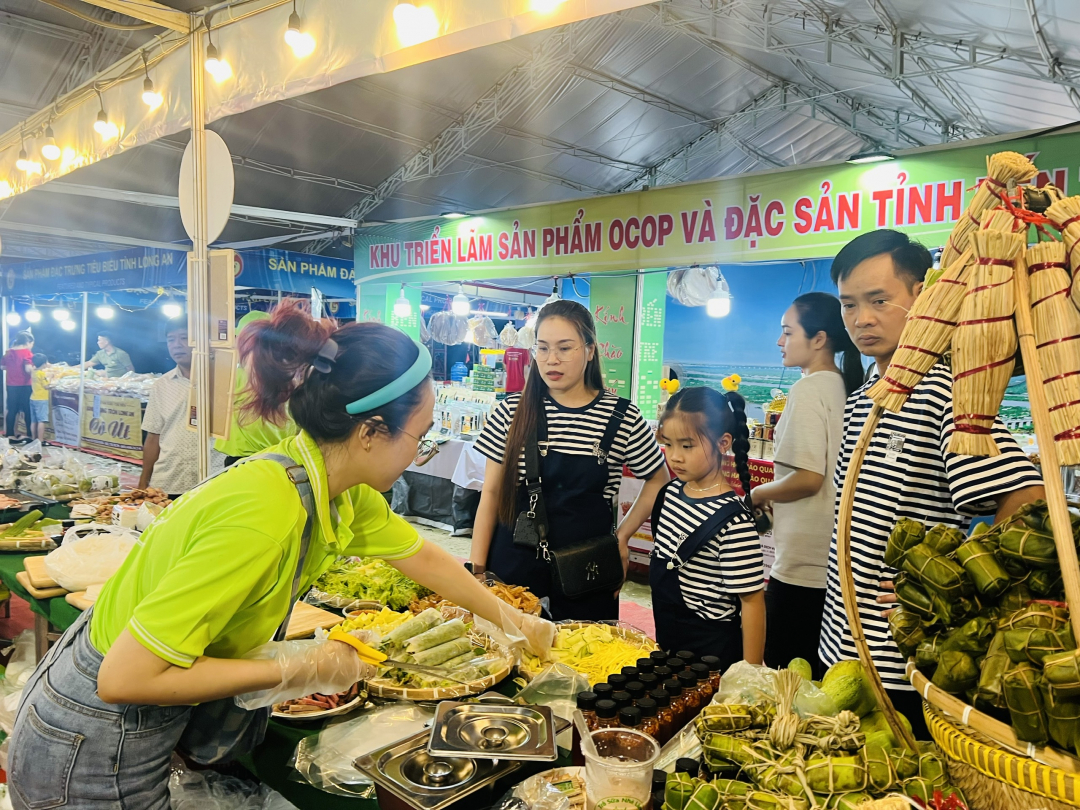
(278, 351)
(851, 365)
(740, 443)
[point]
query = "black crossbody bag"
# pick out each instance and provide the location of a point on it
(583, 569)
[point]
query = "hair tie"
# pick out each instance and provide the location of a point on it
(326, 357)
(731, 407)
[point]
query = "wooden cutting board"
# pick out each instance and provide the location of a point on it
(78, 600)
(38, 593)
(39, 577)
(306, 619)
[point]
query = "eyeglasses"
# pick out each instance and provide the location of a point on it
(426, 450)
(562, 353)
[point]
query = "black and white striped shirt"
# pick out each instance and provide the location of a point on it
(907, 473)
(726, 565)
(575, 431)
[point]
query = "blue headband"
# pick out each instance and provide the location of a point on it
(402, 385)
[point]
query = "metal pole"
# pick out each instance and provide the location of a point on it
(357, 302)
(4, 329)
(82, 371)
(198, 295)
(635, 364)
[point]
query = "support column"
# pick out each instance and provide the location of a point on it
(82, 369)
(198, 295)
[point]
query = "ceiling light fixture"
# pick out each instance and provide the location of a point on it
(554, 293)
(460, 304)
(13, 318)
(454, 215)
(67, 325)
(103, 126)
(23, 163)
(105, 312)
(217, 67)
(546, 6)
(172, 310)
(301, 42)
(33, 315)
(5, 189)
(415, 24)
(61, 314)
(719, 304)
(151, 97)
(49, 150)
(402, 307)
(873, 156)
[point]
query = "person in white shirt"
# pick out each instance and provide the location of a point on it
(171, 450)
(801, 493)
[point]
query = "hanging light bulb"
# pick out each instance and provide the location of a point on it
(554, 293)
(719, 304)
(415, 24)
(531, 320)
(217, 67)
(301, 42)
(102, 125)
(33, 315)
(5, 189)
(151, 97)
(460, 304)
(61, 314)
(105, 312)
(402, 307)
(23, 163)
(546, 6)
(172, 310)
(67, 325)
(13, 318)
(49, 149)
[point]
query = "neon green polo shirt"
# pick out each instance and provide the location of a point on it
(213, 574)
(248, 435)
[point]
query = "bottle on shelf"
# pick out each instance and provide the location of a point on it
(658, 657)
(689, 683)
(713, 663)
(704, 682)
(618, 680)
(676, 665)
(636, 690)
(687, 766)
(663, 672)
(630, 672)
(606, 714)
(687, 656)
(586, 703)
(649, 680)
(664, 716)
(650, 724)
(679, 705)
(645, 665)
(622, 699)
(603, 691)
(630, 717)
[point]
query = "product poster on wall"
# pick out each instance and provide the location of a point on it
(612, 303)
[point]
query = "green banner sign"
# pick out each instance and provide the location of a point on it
(790, 214)
(650, 342)
(612, 302)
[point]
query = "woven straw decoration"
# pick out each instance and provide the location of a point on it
(984, 343)
(1001, 169)
(1066, 216)
(1057, 329)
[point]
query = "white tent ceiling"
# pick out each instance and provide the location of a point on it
(679, 90)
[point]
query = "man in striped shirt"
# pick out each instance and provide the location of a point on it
(908, 472)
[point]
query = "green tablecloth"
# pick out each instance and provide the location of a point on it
(59, 613)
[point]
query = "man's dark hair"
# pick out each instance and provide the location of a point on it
(910, 259)
(105, 334)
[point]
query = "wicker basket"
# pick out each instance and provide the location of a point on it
(985, 767)
(993, 778)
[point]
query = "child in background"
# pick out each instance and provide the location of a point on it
(39, 398)
(707, 564)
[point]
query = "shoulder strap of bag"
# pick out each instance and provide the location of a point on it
(299, 477)
(602, 448)
(699, 536)
(658, 507)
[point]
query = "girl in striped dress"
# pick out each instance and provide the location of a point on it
(707, 566)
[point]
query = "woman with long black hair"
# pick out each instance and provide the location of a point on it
(583, 436)
(802, 493)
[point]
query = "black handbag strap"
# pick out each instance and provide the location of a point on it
(693, 542)
(539, 438)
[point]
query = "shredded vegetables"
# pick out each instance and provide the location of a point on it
(594, 650)
(369, 578)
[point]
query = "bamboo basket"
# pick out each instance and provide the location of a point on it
(1002, 169)
(1066, 215)
(986, 759)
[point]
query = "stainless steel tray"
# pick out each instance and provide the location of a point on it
(418, 779)
(476, 731)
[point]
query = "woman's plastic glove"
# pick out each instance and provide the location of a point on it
(307, 667)
(518, 630)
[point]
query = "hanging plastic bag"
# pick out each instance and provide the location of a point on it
(19, 669)
(526, 337)
(508, 336)
(556, 686)
(146, 515)
(89, 555)
(210, 790)
(448, 328)
(692, 286)
(425, 333)
(325, 761)
(482, 329)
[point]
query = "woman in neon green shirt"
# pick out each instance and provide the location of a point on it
(187, 618)
(249, 434)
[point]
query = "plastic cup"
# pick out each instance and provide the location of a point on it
(620, 778)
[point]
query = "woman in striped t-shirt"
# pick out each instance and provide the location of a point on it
(701, 575)
(564, 405)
